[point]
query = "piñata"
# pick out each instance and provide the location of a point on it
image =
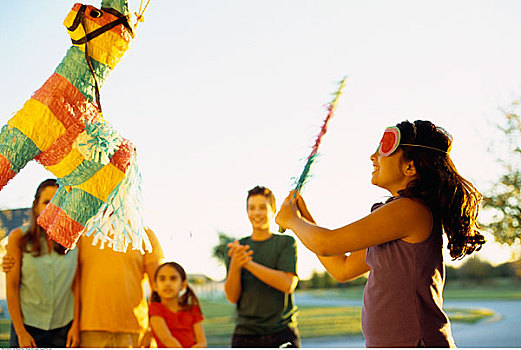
(61, 126)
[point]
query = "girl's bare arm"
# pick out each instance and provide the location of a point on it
(200, 337)
(403, 218)
(161, 330)
(345, 268)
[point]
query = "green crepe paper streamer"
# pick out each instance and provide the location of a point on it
(304, 177)
(81, 173)
(118, 5)
(74, 68)
(68, 201)
(17, 148)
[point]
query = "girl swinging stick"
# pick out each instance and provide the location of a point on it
(400, 242)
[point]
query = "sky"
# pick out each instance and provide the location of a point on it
(221, 96)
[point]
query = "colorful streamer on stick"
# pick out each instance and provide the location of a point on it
(306, 173)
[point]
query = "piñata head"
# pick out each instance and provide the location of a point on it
(62, 128)
(106, 32)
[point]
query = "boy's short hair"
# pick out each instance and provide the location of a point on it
(263, 191)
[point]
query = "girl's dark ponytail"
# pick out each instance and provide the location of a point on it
(459, 212)
(155, 298)
(447, 193)
(188, 300)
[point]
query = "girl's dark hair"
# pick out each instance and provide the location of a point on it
(188, 300)
(445, 191)
(31, 242)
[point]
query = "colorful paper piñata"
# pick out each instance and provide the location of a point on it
(62, 127)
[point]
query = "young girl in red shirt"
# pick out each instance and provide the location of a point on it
(175, 316)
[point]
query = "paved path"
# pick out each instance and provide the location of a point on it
(503, 330)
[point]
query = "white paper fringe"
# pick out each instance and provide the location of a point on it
(119, 221)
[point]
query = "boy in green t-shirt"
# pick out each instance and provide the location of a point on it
(262, 276)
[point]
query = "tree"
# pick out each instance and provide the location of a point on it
(451, 273)
(516, 266)
(315, 280)
(475, 269)
(322, 280)
(504, 199)
(220, 251)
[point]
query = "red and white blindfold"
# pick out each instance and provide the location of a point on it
(391, 140)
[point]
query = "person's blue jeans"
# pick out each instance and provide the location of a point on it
(54, 338)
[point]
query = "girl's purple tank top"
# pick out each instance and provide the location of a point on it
(403, 295)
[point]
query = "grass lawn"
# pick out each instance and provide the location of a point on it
(319, 321)
(491, 290)
(5, 332)
(468, 315)
(219, 321)
(313, 321)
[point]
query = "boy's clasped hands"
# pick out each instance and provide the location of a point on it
(240, 254)
(293, 206)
